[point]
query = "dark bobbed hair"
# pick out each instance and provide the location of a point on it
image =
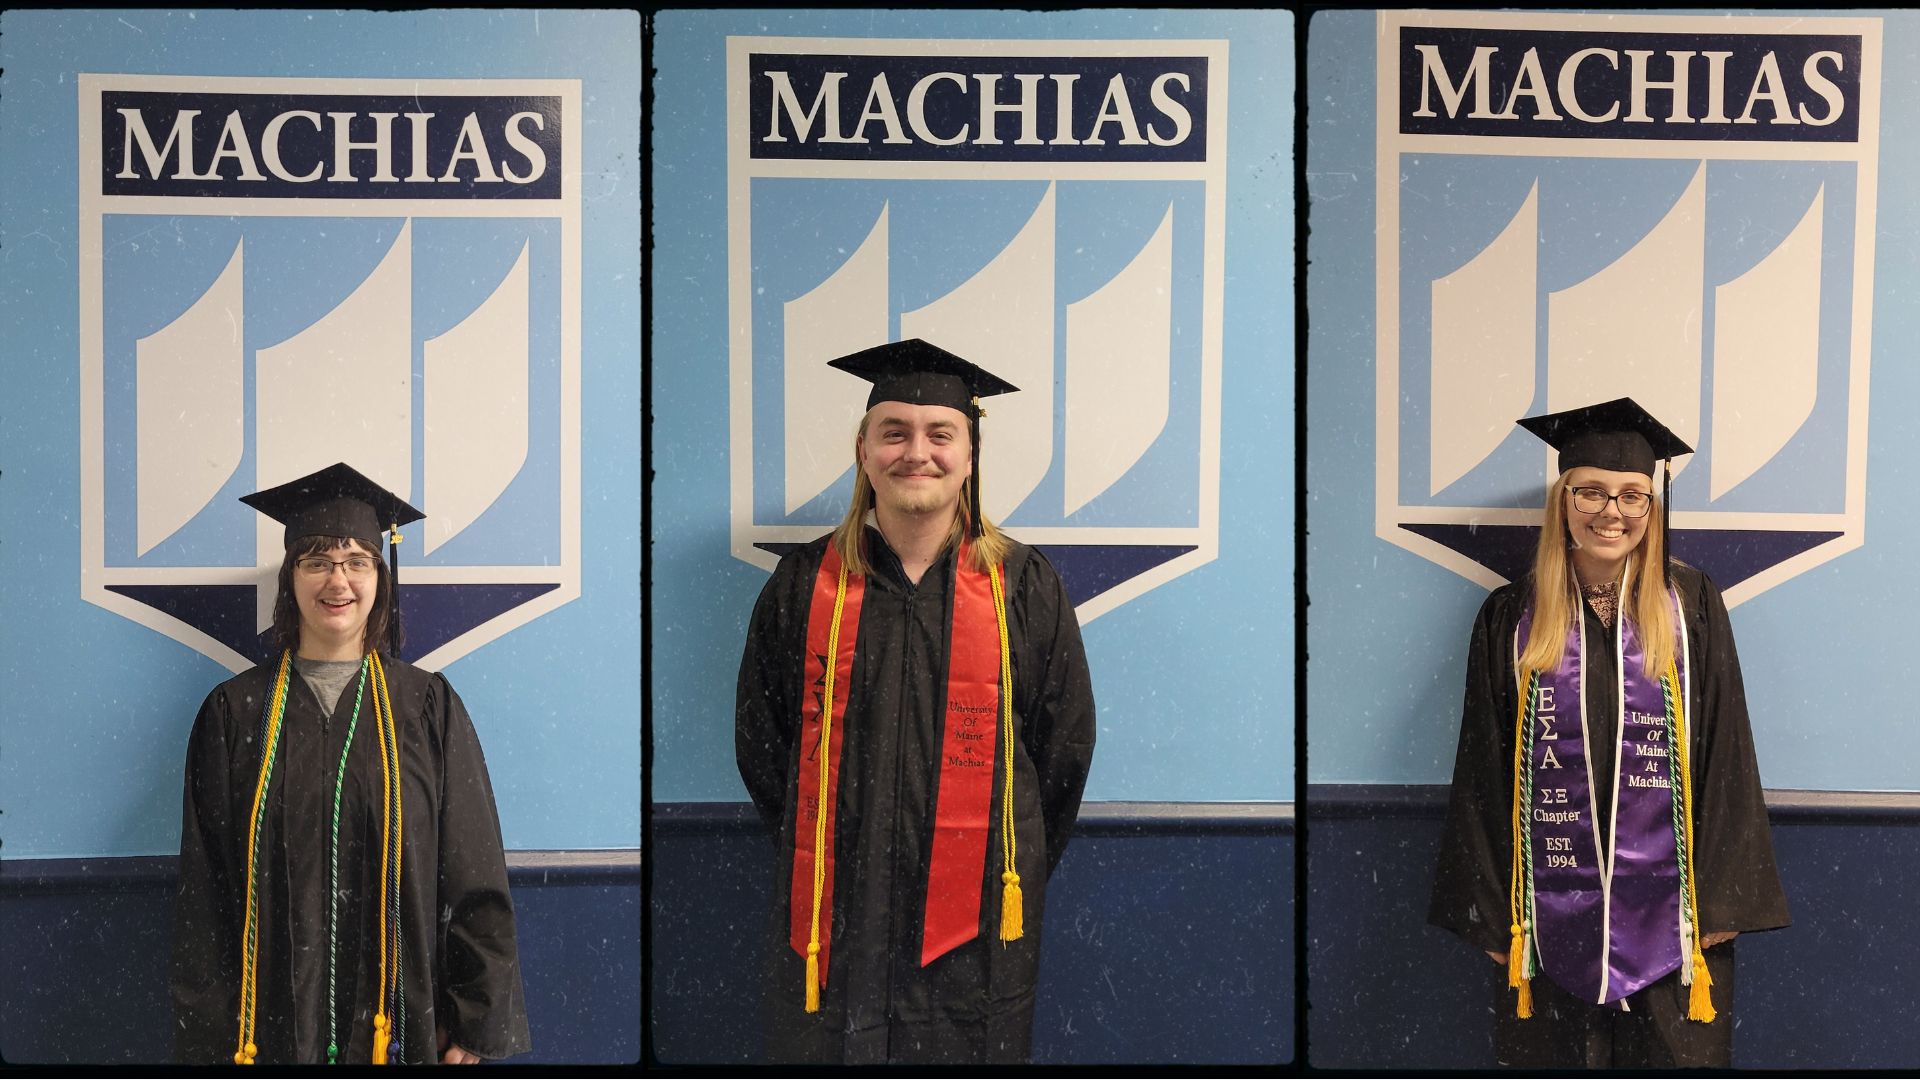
(286, 609)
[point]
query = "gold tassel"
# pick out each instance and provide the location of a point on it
(813, 977)
(1700, 1001)
(380, 1038)
(1517, 973)
(1012, 924)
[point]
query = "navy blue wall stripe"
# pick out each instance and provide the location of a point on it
(88, 939)
(1835, 990)
(1168, 935)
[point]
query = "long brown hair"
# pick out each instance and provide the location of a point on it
(286, 609)
(850, 537)
(1554, 590)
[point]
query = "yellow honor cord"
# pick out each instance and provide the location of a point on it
(1516, 899)
(1012, 917)
(1700, 995)
(390, 861)
(381, 720)
(824, 752)
(245, 1050)
(399, 809)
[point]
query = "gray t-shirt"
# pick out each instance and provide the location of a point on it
(327, 678)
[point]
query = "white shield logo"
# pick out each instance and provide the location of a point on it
(1054, 211)
(291, 272)
(1577, 208)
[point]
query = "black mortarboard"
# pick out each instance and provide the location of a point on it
(336, 501)
(339, 501)
(1618, 435)
(919, 372)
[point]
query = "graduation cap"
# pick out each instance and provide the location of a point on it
(339, 501)
(919, 372)
(1617, 435)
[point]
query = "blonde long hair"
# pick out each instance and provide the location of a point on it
(850, 537)
(1554, 590)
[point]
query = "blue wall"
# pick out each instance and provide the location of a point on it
(1176, 723)
(94, 768)
(1388, 630)
(93, 738)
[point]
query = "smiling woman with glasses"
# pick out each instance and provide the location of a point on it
(1606, 838)
(343, 891)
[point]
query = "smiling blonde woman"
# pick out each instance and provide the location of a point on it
(1606, 837)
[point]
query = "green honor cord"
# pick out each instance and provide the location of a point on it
(333, 869)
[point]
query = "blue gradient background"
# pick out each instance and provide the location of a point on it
(1194, 680)
(97, 708)
(1824, 655)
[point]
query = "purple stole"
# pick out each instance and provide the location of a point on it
(1602, 924)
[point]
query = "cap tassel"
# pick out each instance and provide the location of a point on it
(393, 565)
(1666, 518)
(1012, 921)
(1700, 999)
(978, 512)
(813, 977)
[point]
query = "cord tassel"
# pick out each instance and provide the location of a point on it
(380, 1038)
(1523, 1008)
(1012, 920)
(1700, 1000)
(813, 977)
(1517, 958)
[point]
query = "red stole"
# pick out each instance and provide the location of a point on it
(963, 810)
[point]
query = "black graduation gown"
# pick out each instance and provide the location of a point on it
(459, 960)
(1739, 886)
(975, 1003)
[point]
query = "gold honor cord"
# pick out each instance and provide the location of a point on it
(824, 751)
(1700, 997)
(1517, 892)
(1011, 918)
(390, 834)
(276, 707)
(399, 994)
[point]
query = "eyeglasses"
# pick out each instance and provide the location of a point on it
(1633, 504)
(356, 567)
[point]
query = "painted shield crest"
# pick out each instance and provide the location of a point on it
(292, 272)
(1053, 210)
(1577, 208)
